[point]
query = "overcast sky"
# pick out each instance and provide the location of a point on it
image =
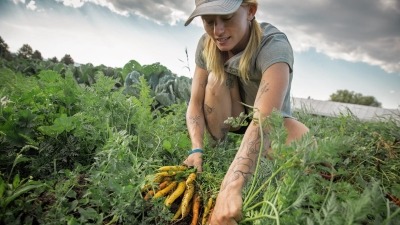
(339, 44)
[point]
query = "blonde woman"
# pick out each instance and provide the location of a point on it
(237, 60)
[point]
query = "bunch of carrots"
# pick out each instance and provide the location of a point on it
(178, 183)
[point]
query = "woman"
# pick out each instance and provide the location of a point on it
(238, 61)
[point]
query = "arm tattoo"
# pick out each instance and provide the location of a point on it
(253, 145)
(229, 81)
(264, 87)
(203, 85)
(207, 109)
(194, 120)
(243, 166)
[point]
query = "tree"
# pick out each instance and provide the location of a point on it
(67, 59)
(54, 59)
(25, 52)
(4, 53)
(346, 96)
(37, 55)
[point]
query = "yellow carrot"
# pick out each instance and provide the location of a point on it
(165, 191)
(207, 211)
(146, 187)
(187, 196)
(188, 207)
(172, 168)
(167, 173)
(178, 213)
(178, 192)
(191, 178)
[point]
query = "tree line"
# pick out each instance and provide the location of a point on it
(27, 53)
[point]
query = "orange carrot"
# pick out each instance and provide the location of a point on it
(195, 209)
(148, 195)
(164, 184)
(393, 198)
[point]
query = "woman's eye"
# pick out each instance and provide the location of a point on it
(209, 22)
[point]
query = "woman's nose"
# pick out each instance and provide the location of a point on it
(219, 27)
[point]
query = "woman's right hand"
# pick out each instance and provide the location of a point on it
(195, 160)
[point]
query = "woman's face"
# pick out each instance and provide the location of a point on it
(230, 32)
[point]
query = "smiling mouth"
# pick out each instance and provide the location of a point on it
(222, 40)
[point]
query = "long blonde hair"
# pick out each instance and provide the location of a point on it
(215, 58)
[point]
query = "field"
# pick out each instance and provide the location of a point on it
(79, 151)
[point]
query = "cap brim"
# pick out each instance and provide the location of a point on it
(221, 7)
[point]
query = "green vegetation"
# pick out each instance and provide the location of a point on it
(346, 96)
(76, 149)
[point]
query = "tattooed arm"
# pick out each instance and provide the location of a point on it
(270, 96)
(195, 116)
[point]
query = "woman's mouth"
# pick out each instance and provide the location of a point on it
(222, 40)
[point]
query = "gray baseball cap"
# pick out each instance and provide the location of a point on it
(214, 7)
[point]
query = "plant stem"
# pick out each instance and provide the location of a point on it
(276, 217)
(249, 199)
(252, 187)
(389, 219)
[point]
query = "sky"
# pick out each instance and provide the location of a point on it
(338, 44)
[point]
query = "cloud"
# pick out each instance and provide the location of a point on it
(73, 3)
(161, 12)
(18, 1)
(356, 31)
(31, 5)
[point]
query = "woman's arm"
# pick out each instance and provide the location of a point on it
(270, 96)
(195, 116)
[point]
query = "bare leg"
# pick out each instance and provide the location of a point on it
(295, 130)
(222, 100)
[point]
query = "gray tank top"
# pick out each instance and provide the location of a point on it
(274, 48)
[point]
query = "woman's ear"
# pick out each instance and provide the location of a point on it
(251, 12)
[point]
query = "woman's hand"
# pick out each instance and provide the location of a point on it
(228, 207)
(195, 160)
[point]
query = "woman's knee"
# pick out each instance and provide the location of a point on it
(295, 129)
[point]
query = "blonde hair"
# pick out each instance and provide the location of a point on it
(215, 58)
